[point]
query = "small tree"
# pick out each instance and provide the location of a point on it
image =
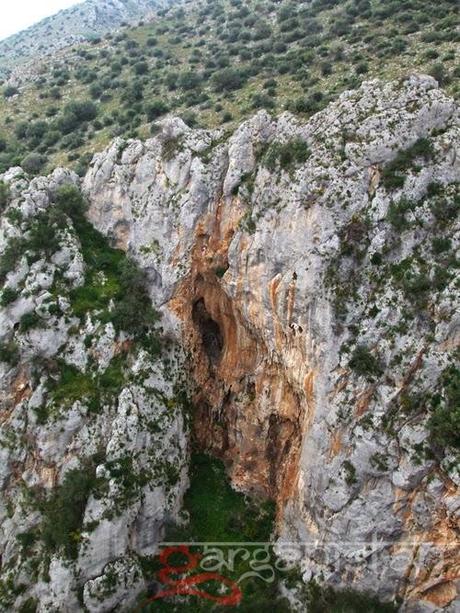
(70, 201)
(133, 312)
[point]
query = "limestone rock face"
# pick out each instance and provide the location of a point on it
(309, 270)
(84, 411)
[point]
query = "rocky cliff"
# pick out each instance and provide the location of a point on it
(309, 273)
(93, 442)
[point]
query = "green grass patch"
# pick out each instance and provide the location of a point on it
(92, 388)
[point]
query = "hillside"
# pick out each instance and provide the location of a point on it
(216, 63)
(84, 21)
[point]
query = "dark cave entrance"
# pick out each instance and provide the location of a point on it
(210, 332)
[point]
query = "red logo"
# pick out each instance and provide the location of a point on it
(187, 586)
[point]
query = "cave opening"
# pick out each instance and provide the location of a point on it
(210, 332)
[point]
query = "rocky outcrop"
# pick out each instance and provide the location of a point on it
(309, 271)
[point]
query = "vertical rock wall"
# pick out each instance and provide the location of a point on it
(317, 303)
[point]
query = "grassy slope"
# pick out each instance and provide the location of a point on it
(287, 55)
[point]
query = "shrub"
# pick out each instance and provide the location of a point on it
(33, 163)
(42, 235)
(63, 511)
(260, 101)
(96, 91)
(441, 245)
(444, 424)
(326, 599)
(228, 79)
(397, 213)
(141, 68)
(4, 195)
(8, 296)
(29, 321)
(9, 353)
(29, 606)
(170, 147)
(363, 363)
(84, 110)
(70, 201)
(10, 91)
(74, 114)
(439, 72)
(287, 154)
(133, 311)
(66, 123)
(156, 109)
(11, 255)
(391, 177)
(350, 473)
(362, 68)
(189, 80)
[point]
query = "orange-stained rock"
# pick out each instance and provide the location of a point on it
(247, 411)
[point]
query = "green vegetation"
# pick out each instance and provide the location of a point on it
(326, 600)
(444, 424)
(9, 353)
(220, 271)
(350, 473)
(4, 195)
(110, 275)
(8, 296)
(29, 321)
(64, 508)
(216, 63)
(30, 606)
(10, 91)
(286, 155)
(364, 363)
(397, 213)
(219, 514)
(133, 311)
(93, 387)
(392, 176)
